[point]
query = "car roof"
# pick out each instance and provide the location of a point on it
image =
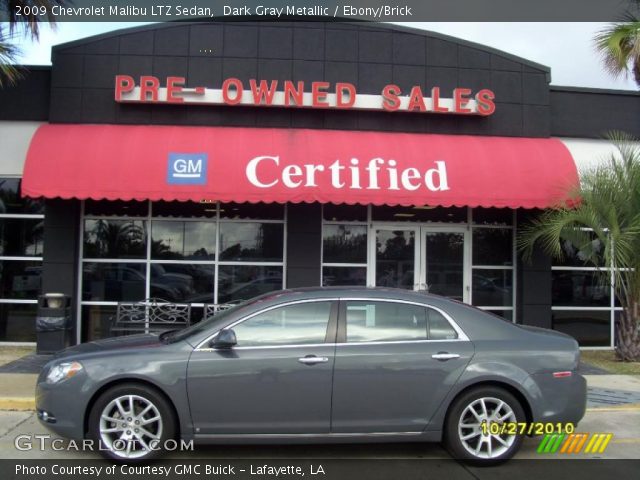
(364, 292)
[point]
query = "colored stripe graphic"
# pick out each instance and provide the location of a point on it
(551, 442)
(598, 443)
(574, 443)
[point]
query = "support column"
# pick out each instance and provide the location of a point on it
(534, 285)
(304, 244)
(60, 256)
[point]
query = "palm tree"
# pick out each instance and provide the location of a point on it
(619, 45)
(29, 24)
(608, 211)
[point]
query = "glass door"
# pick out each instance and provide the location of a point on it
(396, 253)
(421, 258)
(444, 265)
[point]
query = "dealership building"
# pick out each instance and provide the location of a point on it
(206, 163)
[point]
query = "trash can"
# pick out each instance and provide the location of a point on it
(53, 323)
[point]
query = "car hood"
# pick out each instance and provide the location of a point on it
(148, 340)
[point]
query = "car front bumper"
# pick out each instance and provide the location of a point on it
(61, 408)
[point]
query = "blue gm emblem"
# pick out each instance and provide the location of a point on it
(187, 169)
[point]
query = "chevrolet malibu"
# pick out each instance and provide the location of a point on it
(320, 365)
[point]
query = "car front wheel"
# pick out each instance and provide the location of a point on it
(480, 426)
(131, 423)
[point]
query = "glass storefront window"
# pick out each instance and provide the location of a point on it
(181, 252)
(183, 282)
(20, 279)
(590, 328)
(251, 242)
(119, 282)
(21, 237)
(116, 208)
(252, 211)
(17, 322)
(344, 213)
(97, 321)
(492, 288)
(493, 216)
(344, 244)
(419, 214)
(504, 314)
(241, 282)
(13, 203)
(21, 246)
(580, 282)
(395, 258)
(590, 255)
(493, 246)
(171, 240)
(579, 288)
(184, 209)
(115, 239)
(344, 276)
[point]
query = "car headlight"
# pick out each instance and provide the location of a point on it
(63, 371)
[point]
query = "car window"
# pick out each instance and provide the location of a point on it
(297, 324)
(439, 326)
(371, 321)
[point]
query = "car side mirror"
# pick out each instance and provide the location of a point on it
(225, 339)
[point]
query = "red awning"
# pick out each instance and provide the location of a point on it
(295, 165)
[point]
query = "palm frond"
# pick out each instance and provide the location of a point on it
(31, 22)
(619, 46)
(9, 72)
(607, 216)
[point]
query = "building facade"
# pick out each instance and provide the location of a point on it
(164, 162)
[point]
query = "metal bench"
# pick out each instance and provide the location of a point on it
(150, 316)
(210, 309)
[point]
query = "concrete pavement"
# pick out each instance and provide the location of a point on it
(22, 427)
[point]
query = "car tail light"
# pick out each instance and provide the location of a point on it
(562, 374)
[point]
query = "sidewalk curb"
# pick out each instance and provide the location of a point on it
(17, 403)
(629, 407)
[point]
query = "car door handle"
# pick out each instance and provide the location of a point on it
(313, 359)
(444, 356)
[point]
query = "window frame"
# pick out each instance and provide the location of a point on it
(342, 323)
(612, 308)
(21, 258)
(148, 261)
(329, 339)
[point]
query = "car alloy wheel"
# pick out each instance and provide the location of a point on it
(474, 427)
(469, 434)
(130, 426)
(131, 422)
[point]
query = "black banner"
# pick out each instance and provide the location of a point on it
(324, 469)
(323, 10)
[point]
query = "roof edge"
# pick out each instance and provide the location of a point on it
(378, 25)
(562, 88)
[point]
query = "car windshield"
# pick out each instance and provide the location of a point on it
(200, 327)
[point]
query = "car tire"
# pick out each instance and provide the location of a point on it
(132, 423)
(464, 436)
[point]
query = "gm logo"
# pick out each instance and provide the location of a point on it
(187, 168)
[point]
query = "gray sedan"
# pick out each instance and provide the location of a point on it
(316, 366)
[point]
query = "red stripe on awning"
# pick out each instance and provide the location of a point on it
(138, 162)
